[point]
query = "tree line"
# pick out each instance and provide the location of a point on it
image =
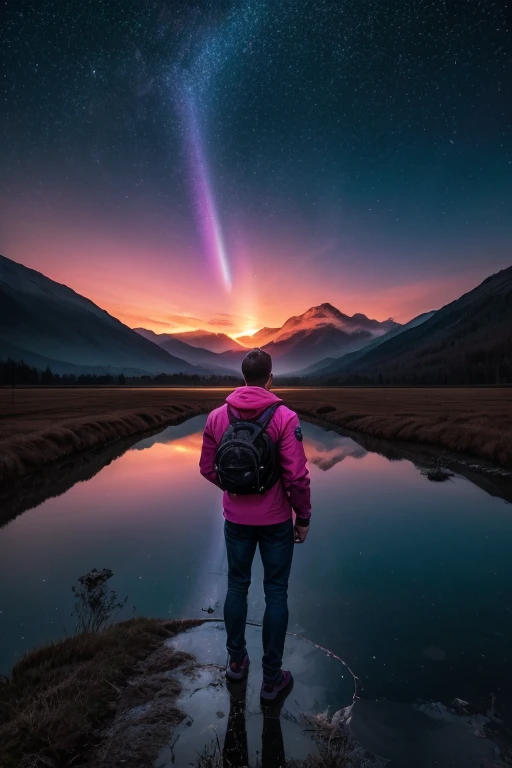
(478, 367)
(17, 372)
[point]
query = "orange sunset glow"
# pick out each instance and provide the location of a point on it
(173, 290)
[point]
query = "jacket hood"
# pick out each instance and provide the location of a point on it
(251, 400)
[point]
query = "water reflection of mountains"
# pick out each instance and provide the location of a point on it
(50, 482)
(323, 451)
(325, 448)
(332, 449)
(190, 433)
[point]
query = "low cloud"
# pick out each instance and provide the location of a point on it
(184, 320)
(222, 322)
(134, 320)
(164, 322)
(227, 320)
(152, 321)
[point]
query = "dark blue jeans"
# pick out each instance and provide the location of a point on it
(276, 550)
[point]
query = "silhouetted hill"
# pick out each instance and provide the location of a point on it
(213, 342)
(194, 355)
(330, 366)
(42, 318)
(468, 341)
(11, 352)
(305, 347)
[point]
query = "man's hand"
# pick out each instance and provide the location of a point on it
(299, 533)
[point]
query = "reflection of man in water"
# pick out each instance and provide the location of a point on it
(235, 753)
(264, 519)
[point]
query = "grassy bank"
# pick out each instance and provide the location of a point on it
(108, 700)
(46, 425)
(58, 700)
(472, 421)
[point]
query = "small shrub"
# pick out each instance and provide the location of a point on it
(96, 606)
(438, 473)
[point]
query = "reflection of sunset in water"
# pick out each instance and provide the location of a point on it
(384, 545)
(324, 452)
(189, 445)
(168, 441)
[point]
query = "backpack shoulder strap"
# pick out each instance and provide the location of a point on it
(231, 416)
(266, 417)
(263, 419)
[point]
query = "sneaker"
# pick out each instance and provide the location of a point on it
(238, 670)
(281, 688)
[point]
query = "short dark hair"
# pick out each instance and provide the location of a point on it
(257, 367)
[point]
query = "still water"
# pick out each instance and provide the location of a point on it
(408, 580)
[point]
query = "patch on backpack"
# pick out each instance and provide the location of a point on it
(298, 434)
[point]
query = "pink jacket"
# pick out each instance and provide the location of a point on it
(292, 491)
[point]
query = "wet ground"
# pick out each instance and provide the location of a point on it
(226, 720)
(406, 579)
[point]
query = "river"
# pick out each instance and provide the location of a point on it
(407, 579)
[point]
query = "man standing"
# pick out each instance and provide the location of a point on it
(253, 450)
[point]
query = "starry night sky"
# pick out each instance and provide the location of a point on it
(238, 162)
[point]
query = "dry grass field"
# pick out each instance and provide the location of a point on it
(55, 706)
(44, 425)
(473, 421)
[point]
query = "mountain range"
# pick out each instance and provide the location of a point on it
(46, 323)
(469, 340)
(301, 341)
(206, 341)
(331, 363)
(200, 356)
(215, 342)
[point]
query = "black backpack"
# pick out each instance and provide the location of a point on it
(246, 461)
